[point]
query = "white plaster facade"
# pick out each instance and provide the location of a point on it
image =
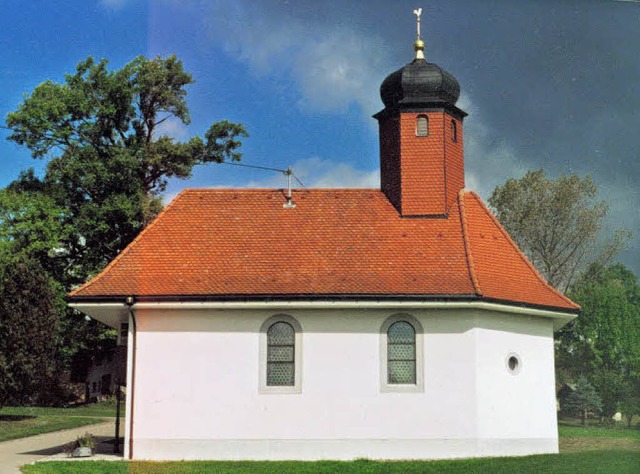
(197, 389)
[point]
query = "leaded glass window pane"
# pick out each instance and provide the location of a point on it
(281, 333)
(281, 355)
(402, 372)
(280, 374)
(401, 353)
(402, 333)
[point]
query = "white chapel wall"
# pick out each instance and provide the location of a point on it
(516, 406)
(197, 389)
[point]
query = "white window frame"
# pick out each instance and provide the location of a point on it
(297, 354)
(385, 386)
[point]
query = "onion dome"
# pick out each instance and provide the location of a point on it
(419, 83)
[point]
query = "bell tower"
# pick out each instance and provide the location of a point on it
(421, 139)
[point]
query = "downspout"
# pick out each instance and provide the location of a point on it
(129, 302)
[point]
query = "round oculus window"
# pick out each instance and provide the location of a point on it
(513, 363)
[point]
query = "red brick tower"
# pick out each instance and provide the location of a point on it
(421, 151)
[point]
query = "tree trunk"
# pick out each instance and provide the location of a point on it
(584, 417)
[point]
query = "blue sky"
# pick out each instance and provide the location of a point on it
(547, 83)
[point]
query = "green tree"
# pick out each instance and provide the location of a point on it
(108, 163)
(582, 400)
(603, 340)
(612, 388)
(33, 224)
(108, 159)
(29, 310)
(609, 323)
(556, 223)
(630, 407)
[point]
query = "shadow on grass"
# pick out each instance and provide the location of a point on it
(104, 445)
(16, 417)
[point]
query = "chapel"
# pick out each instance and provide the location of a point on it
(393, 323)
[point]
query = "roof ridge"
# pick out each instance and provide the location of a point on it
(254, 190)
(126, 250)
(521, 254)
(467, 243)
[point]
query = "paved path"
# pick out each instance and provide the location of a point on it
(18, 452)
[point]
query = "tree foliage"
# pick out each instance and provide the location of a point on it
(630, 407)
(582, 400)
(606, 333)
(556, 223)
(29, 312)
(109, 160)
(603, 340)
(32, 223)
(103, 134)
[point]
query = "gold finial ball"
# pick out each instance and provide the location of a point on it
(418, 46)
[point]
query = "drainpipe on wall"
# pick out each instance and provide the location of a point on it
(131, 390)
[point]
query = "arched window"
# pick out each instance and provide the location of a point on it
(280, 355)
(454, 131)
(281, 343)
(422, 126)
(401, 353)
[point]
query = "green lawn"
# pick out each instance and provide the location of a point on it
(575, 438)
(103, 409)
(582, 449)
(571, 431)
(18, 426)
(20, 422)
(571, 463)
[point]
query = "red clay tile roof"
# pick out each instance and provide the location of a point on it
(232, 243)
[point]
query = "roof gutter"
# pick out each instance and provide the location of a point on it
(322, 299)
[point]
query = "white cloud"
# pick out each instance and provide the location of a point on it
(167, 198)
(339, 70)
(333, 66)
(488, 161)
(314, 172)
(318, 173)
(172, 127)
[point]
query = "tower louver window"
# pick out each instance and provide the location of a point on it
(422, 126)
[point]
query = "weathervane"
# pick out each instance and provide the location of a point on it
(418, 46)
(418, 13)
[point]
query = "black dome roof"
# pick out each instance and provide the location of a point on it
(419, 83)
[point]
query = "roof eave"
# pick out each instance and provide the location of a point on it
(300, 297)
